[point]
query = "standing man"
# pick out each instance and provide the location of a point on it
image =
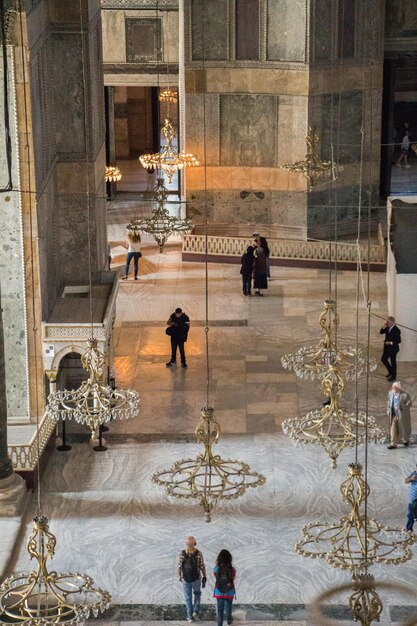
(192, 574)
(398, 410)
(412, 497)
(261, 242)
(391, 347)
(178, 327)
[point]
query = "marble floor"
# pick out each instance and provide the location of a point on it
(114, 524)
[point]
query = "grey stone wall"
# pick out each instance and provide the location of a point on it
(63, 132)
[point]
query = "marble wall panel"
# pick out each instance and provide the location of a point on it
(341, 120)
(247, 30)
(72, 220)
(96, 86)
(67, 86)
(401, 18)
(322, 213)
(170, 36)
(286, 32)
(292, 128)
(322, 12)
(114, 37)
(143, 40)
(196, 106)
(211, 19)
(227, 206)
(346, 29)
(248, 125)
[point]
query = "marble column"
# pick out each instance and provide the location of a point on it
(12, 486)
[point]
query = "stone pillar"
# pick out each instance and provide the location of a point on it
(12, 486)
(346, 72)
(247, 84)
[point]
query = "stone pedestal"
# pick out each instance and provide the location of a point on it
(13, 495)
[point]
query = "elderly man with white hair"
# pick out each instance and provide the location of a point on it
(192, 574)
(398, 410)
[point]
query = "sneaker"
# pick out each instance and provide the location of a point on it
(398, 165)
(406, 444)
(190, 619)
(124, 278)
(392, 447)
(170, 363)
(136, 278)
(407, 167)
(230, 621)
(195, 615)
(184, 365)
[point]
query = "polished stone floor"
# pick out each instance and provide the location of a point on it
(114, 524)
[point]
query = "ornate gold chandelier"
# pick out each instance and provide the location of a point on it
(43, 598)
(331, 427)
(355, 541)
(208, 477)
(161, 224)
(93, 403)
(312, 362)
(168, 95)
(113, 174)
(168, 159)
(313, 167)
(365, 603)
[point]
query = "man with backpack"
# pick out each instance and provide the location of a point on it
(192, 574)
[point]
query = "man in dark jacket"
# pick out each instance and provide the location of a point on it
(246, 270)
(391, 346)
(179, 325)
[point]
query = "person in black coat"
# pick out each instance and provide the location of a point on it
(246, 270)
(391, 346)
(261, 242)
(178, 327)
(260, 272)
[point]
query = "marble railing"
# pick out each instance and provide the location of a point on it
(25, 456)
(285, 249)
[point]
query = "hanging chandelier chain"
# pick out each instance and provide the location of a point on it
(207, 328)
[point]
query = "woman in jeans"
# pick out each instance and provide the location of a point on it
(224, 591)
(133, 252)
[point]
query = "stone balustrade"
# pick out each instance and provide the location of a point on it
(25, 454)
(283, 252)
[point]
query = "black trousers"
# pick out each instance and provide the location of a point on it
(246, 283)
(389, 359)
(177, 343)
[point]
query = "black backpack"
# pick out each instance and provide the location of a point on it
(189, 567)
(224, 580)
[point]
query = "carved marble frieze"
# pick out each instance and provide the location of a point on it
(162, 5)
